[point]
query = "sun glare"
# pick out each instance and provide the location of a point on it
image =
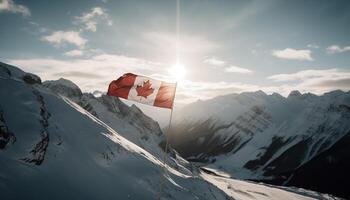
(177, 71)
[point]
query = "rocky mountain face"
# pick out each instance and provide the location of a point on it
(270, 138)
(326, 172)
(130, 121)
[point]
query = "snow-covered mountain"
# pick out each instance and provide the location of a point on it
(265, 137)
(130, 122)
(57, 147)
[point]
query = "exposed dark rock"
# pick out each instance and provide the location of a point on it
(276, 144)
(64, 87)
(289, 160)
(6, 136)
(3, 67)
(328, 172)
(86, 105)
(39, 151)
(132, 114)
(31, 78)
(37, 154)
(294, 93)
(344, 107)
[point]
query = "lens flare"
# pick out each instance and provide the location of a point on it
(178, 71)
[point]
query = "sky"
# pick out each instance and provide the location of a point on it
(226, 46)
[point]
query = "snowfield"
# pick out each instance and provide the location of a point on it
(242, 190)
(53, 148)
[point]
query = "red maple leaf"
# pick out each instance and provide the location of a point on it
(144, 90)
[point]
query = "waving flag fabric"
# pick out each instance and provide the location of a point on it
(144, 90)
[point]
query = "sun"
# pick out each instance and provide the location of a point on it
(178, 71)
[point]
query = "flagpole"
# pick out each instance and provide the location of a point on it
(162, 176)
(170, 119)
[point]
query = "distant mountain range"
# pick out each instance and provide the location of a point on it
(301, 140)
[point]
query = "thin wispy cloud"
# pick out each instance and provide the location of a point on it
(39, 28)
(59, 38)
(305, 74)
(230, 69)
(214, 61)
(293, 54)
(74, 74)
(337, 49)
(313, 46)
(11, 6)
(92, 18)
(193, 90)
(74, 53)
(236, 69)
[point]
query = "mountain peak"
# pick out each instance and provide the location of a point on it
(334, 93)
(65, 82)
(64, 87)
(294, 93)
(258, 93)
(97, 93)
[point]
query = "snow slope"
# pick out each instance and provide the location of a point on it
(52, 148)
(129, 121)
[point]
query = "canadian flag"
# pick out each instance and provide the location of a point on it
(143, 90)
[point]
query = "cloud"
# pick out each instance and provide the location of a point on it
(78, 74)
(40, 29)
(313, 46)
(236, 69)
(91, 19)
(10, 6)
(193, 90)
(231, 69)
(93, 73)
(337, 83)
(337, 49)
(74, 53)
(214, 61)
(59, 38)
(316, 81)
(293, 54)
(303, 75)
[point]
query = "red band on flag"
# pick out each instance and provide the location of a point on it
(121, 87)
(165, 95)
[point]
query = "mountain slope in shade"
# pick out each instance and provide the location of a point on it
(331, 165)
(52, 148)
(262, 137)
